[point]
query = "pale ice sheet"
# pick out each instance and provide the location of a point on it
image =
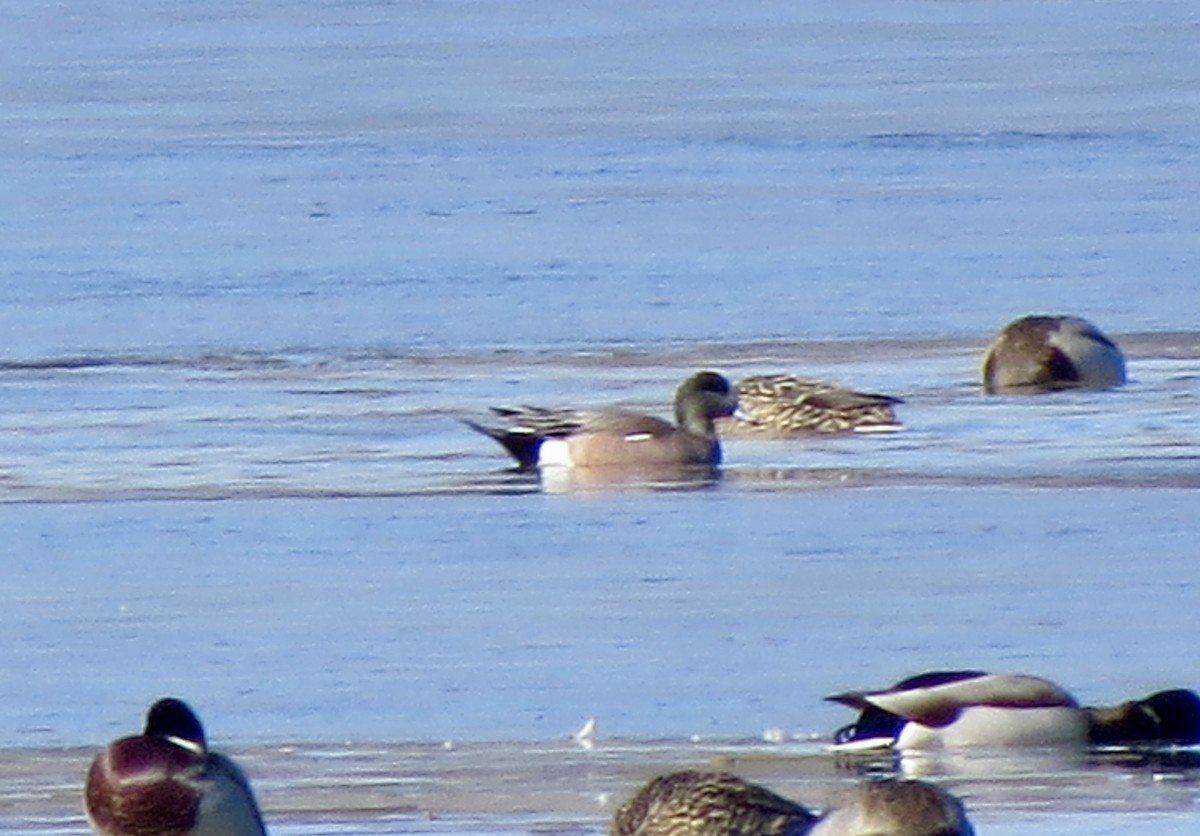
(517, 615)
(560, 788)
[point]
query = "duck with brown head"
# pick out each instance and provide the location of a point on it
(1047, 353)
(167, 782)
(895, 808)
(694, 803)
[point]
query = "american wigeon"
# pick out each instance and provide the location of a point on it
(708, 804)
(1046, 353)
(974, 708)
(783, 405)
(618, 438)
(896, 808)
(167, 782)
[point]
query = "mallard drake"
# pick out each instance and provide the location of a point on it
(618, 438)
(975, 708)
(708, 804)
(896, 808)
(1046, 353)
(784, 405)
(167, 782)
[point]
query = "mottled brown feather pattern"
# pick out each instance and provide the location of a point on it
(896, 808)
(708, 804)
(785, 405)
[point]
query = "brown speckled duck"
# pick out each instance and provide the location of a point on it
(720, 804)
(785, 406)
(708, 804)
(896, 808)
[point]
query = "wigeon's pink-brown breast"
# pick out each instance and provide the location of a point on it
(143, 786)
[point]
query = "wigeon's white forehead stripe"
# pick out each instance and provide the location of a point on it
(183, 743)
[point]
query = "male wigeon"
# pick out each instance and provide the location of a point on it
(619, 438)
(783, 405)
(895, 808)
(692, 803)
(1046, 353)
(166, 782)
(974, 708)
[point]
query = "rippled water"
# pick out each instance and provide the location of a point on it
(387, 425)
(260, 259)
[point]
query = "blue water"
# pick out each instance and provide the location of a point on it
(259, 258)
(340, 178)
(518, 616)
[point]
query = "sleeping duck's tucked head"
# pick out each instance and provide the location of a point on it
(1046, 353)
(167, 781)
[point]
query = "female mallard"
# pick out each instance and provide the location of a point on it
(166, 782)
(974, 708)
(720, 804)
(708, 804)
(619, 438)
(783, 405)
(1046, 353)
(896, 808)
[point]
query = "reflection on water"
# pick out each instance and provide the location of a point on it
(669, 478)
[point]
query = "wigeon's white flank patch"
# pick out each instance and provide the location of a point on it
(554, 452)
(866, 744)
(632, 437)
(878, 428)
